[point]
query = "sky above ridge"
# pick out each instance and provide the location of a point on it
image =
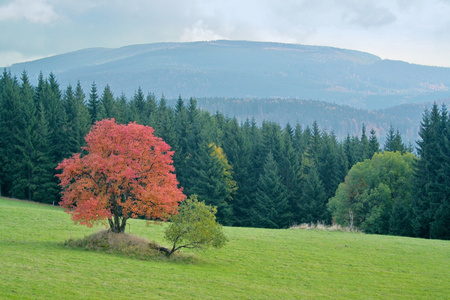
(416, 31)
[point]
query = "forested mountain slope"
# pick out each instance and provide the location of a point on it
(341, 119)
(241, 69)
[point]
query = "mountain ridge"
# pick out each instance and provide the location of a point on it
(245, 69)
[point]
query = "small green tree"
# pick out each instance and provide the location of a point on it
(377, 194)
(194, 227)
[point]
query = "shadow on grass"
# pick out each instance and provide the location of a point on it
(126, 245)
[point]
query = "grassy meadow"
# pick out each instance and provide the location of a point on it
(255, 264)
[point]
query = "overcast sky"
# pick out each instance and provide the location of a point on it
(416, 31)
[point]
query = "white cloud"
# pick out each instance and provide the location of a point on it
(8, 58)
(34, 11)
(412, 30)
(199, 32)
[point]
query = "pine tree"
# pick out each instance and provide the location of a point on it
(81, 119)
(165, 124)
(331, 168)
(51, 104)
(138, 108)
(46, 187)
(211, 180)
(314, 143)
(9, 118)
(94, 104)
(107, 108)
(365, 145)
(24, 140)
(272, 208)
(300, 141)
(374, 145)
(182, 127)
(123, 114)
(289, 166)
(394, 141)
(70, 105)
(151, 110)
(237, 146)
(313, 199)
(432, 193)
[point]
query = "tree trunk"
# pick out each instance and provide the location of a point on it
(117, 224)
(351, 220)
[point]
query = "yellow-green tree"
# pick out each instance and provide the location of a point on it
(373, 189)
(194, 227)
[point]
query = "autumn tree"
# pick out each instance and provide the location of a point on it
(126, 173)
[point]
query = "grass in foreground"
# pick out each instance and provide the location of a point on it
(255, 264)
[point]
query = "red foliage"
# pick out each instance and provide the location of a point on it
(127, 172)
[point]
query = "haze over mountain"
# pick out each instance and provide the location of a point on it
(241, 69)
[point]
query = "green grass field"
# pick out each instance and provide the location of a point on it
(255, 264)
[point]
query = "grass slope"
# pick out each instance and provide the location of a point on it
(256, 263)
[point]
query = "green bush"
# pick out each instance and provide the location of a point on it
(194, 227)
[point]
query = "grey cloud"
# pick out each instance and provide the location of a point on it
(34, 11)
(114, 23)
(368, 15)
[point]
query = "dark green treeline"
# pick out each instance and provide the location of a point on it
(260, 176)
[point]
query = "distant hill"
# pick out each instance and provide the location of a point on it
(341, 119)
(247, 70)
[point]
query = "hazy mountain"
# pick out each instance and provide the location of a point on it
(240, 69)
(341, 119)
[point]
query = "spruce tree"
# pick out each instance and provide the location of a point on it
(139, 110)
(365, 145)
(394, 141)
(93, 104)
(313, 199)
(289, 166)
(46, 187)
(238, 147)
(330, 166)
(374, 145)
(431, 199)
(271, 208)
(107, 108)
(25, 139)
(9, 118)
(124, 113)
(81, 122)
(210, 178)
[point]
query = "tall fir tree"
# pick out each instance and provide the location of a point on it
(82, 120)
(271, 209)
(9, 118)
(123, 114)
(374, 145)
(313, 199)
(46, 187)
(107, 108)
(330, 166)
(237, 146)
(432, 194)
(25, 140)
(93, 104)
(365, 145)
(289, 166)
(394, 141)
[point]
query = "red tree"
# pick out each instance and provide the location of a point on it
(126, 172)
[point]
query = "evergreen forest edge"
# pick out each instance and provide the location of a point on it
(257, 176)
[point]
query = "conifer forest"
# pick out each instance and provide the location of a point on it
(256, 175)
